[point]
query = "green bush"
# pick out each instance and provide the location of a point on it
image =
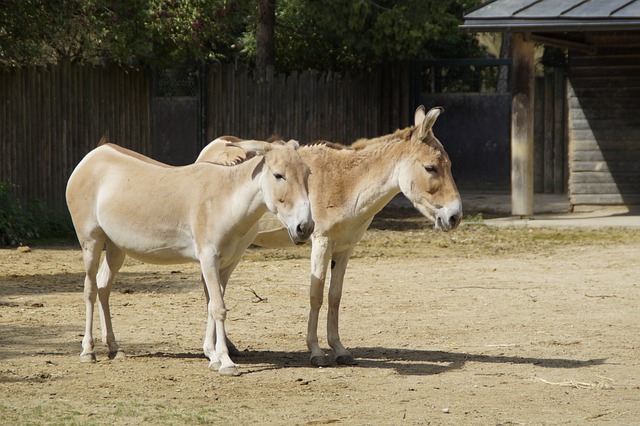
(21, 225)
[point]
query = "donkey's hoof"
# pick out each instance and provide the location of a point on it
(215, 365)
(90, 358)
(346, 360)
(320, 361)
(229, 371)
(117, 355)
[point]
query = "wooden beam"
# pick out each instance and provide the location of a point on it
(522, 107)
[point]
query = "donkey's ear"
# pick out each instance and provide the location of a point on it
(419, 115)
(428, 121)
(258, 147)
(293, 143)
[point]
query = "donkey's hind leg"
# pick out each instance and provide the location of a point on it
(91, 250)
(112, 263)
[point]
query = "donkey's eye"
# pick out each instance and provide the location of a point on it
(278, 176)
(431, 169)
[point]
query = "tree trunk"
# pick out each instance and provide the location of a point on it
(265, 43)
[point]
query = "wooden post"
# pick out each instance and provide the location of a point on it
(522, 107)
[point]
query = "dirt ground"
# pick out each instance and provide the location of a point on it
(480, 326)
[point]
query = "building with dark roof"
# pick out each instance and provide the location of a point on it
(602, 41)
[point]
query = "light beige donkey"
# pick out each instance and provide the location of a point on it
(347, 187)
(207, 213)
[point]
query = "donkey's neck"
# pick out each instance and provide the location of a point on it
(375, 179)
(245, 197)
(249, 189)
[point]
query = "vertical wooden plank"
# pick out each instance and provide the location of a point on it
(208, 103)
(45, 126)
(85, 105)
(4, 131)
(136, 111)
(53, 112)
(522, 127)
(234, 119)
(98, 104)
(12, 121)
(217, 101)
(24, 145)
(75, 112)
(15, 126)
(291, 132)
(41, 137)
(406, 117)
(105, 91)
(548, 132)
(125, 111)
(132, 100)
(63, 99)
(538, 135)
(130, 97)
(36, 152)
(559, 145)
(230, 109)
(145, 107)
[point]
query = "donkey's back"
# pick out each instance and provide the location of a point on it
(141, 206)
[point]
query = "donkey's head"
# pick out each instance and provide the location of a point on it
(425, 177)
(284, 180)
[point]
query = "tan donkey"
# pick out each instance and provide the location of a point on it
(348, 186)
(207, 213)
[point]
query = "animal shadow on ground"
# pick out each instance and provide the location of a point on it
(400, 219)
(411, 362)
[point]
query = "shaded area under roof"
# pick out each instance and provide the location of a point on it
(554, 15)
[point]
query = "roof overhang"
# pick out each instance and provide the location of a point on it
(529, 16)
(529, 25)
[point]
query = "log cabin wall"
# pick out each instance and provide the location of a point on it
(604, 121)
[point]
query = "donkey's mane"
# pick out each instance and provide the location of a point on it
(402, 134)
(332, 145)
(360, 144)
(234, 161)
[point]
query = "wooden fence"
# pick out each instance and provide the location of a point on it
(306, 106)
(50, 117)
(550, 140)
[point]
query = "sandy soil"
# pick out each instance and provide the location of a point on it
(479, 326)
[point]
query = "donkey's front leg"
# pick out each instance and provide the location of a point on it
(338, 268)
(216, 315)
(319, 261)
(209, 350)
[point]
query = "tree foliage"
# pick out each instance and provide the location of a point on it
(356, 34)
(320, 34)
(151, 31)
